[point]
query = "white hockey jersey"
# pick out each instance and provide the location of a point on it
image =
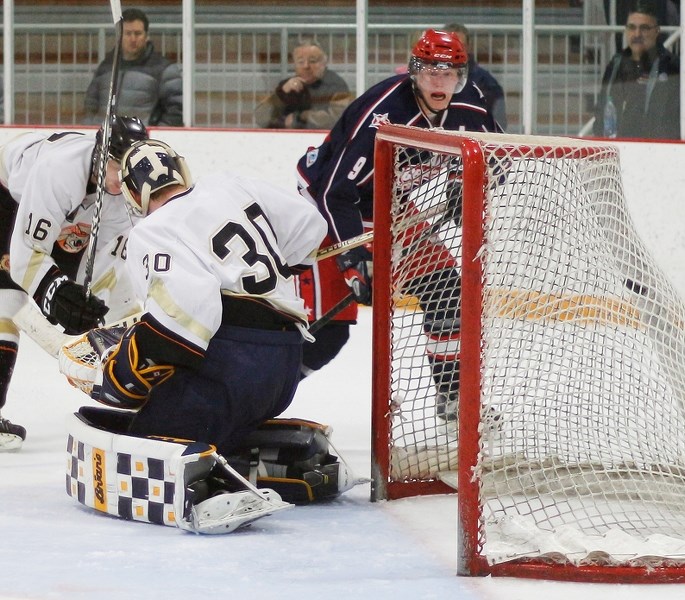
(226, 235)
(48, 176)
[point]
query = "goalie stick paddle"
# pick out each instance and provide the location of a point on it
(103, 150)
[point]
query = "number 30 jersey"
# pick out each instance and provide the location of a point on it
(226, 235)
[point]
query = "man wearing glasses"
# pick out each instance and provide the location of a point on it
(313, 98)
(640, 88)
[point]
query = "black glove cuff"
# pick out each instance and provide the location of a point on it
(45, 294)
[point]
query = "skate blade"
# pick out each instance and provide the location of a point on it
(225, 513)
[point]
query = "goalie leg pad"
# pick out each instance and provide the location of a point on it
(152, 480)
(296, 460)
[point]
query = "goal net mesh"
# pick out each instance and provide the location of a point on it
(581, 356)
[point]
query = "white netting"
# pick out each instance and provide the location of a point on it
(582, 378)
(80, 363)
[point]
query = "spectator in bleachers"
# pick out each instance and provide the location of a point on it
(486, 82)
(313, 98)
(151, 85)
(640, 88)
(667, 12)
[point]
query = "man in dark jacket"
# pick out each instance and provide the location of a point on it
(313, 98)
(486, 82)
(641, 82)
(151, 86)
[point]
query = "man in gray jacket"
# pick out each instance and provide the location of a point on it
(151, 86)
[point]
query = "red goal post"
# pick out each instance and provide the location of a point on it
(569, 448)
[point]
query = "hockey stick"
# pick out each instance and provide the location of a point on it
(32, 322)
(326, 318)
(340, 247)
(103, 151)
(80, 357)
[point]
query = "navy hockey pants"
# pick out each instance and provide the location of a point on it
(248, 376)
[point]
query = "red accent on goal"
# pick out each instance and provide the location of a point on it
(569, 454)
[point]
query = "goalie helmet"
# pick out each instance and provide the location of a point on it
(147, 167)
(441, 50)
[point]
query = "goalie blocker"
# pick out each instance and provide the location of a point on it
(186, 484)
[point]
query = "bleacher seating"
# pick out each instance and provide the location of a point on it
(231, 75)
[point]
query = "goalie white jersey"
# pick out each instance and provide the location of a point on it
(32, 168)
(226, 235)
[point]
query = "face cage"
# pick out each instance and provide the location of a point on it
(416, 65)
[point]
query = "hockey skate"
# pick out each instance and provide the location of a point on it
(446, 406)
(11, 436)
(227, 511)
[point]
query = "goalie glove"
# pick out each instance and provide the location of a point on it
(126, 377)
(357, 268)
(66, 302)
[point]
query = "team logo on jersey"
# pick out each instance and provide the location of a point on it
(5, 263)
(74, 238)
(312, 155)
(379, 120)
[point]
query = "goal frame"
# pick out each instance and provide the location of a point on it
(470, 560)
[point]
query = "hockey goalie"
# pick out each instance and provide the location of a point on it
(189, 437)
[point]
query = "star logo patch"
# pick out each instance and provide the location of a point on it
(379, 120)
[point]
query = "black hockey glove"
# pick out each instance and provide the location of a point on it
(65, 302)
(357, 267)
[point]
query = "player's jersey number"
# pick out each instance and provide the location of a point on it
(257, 250)
(252, 241)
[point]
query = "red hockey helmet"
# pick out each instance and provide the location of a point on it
(439, 47)
(439, 51)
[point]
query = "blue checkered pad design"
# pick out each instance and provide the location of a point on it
(144, 486)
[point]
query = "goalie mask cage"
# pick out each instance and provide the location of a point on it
(569, 454)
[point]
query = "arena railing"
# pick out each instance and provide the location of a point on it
(236, 64)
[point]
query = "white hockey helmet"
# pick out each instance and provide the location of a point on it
(147, 167)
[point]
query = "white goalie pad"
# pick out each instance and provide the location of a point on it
(150, 480)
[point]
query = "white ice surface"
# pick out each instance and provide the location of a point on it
(53, 548)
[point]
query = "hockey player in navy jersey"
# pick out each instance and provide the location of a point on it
(338, 177)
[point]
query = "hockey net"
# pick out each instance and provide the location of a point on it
(568, 453)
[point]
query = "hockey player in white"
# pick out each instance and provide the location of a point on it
(221, 318)
(218, 348)
(47, 194)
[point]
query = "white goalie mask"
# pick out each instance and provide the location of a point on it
(147, 167)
